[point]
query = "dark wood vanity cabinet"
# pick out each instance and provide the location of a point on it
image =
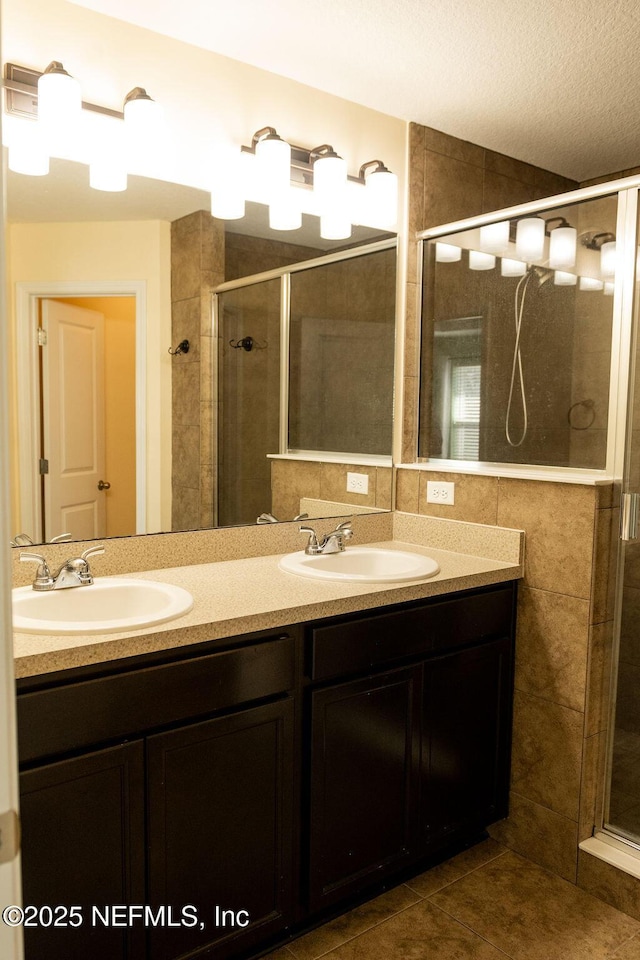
(257, 781)
(192, 816)
(406, 762)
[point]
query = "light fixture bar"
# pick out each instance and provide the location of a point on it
(21, 99)
(302, 159)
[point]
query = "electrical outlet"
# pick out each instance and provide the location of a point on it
(439, 492)
(358, 483)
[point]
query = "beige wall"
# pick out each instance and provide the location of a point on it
(112, 251)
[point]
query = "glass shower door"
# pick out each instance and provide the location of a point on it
(622, 809)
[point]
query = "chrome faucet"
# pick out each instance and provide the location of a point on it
(269, 518)
(333, 542)
(74, 572)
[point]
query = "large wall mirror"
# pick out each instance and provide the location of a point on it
(102, 285)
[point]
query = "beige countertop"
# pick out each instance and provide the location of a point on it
(242, 596)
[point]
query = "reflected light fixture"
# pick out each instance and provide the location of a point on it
(563, 279)
(330, 189)
(479, 260)
(447, 253)
(562, 247)
(494, 237)
(590, 283)
(608, 259)
(609, 287)
(512, 268)
(530, 238)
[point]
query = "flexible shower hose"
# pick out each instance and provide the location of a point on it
(517, 362)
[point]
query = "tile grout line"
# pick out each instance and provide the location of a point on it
(471, 930)
(462, 875)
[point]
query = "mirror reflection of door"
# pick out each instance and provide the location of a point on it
(88, 416)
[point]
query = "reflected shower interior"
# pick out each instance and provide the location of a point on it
(516, 339)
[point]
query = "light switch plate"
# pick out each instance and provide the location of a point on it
(439, 492)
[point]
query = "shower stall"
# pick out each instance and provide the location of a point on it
(305, 370)
(530, 320)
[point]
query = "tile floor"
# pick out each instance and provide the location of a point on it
(487, 903)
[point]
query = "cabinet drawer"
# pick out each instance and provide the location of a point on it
(65, 718)
(360, 643)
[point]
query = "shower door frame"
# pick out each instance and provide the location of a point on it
(284, 275)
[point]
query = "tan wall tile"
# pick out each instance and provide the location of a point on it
(552, 646)
(412, 334)
(384, 485)
(290, 481)
(410, 419)
(593, 756)
(185, 395)
(499, 191)
(407, 486)
(453, 147)
(559, 521)
(605, 552)
(185, 257)
(541, 835)
(475, 499)
(606, 883)
(547, 754)
(510, 167)
(599, 678)
(453, 189)
(333, 483)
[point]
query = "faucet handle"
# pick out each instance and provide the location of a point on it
(60, 538)
(92, 551)
(313, 537)
(43, 579)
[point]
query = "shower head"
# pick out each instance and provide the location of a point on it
(541, 274)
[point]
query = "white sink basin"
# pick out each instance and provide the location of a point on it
(362, 565)
(108, 605)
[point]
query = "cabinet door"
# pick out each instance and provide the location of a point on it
(466, 738)
(221, 831)
(364, 765)
(83, 845)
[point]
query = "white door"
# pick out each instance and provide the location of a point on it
(73, 420)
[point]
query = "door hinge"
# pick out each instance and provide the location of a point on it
(9, 836)
(43, 466)
(629, 516)
(42, 337)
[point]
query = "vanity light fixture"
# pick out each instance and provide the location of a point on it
(530, 233)
(291, 178)
(608, 259)
(53, 99)
(494, 237)
(590, 283)
(563, 279)
(609, 287)
(562, 247)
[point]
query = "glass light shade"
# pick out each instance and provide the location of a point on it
(530, 239)
(335, 226)
(273, 165)
(563, 279)
(59, 99)
(382, 197)
(609, 287)
(232, 177)
(608, 259)
(481, 261)
(285, 213)
(512, 268)
(27, 152)
(494, 237)
(329, 177)
(447, 253)
(143, 114)
(227, 204)
(562, 248)
(589, 283)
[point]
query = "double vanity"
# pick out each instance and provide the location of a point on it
(290, 744)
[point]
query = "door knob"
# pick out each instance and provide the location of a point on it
(104, 485)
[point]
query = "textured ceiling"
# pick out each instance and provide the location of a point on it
(550, 82)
